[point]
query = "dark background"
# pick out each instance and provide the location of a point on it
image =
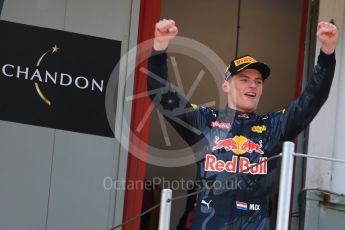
(73, 109)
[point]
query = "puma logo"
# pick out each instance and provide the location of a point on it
(207, 204)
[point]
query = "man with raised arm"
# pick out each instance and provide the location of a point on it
(231, 140)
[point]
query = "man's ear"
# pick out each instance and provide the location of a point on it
(225, 86)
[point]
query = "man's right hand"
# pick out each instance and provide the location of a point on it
(165, 31)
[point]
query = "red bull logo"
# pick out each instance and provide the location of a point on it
(236, 163)
(238, 145)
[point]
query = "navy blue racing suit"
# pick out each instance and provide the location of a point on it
(228, 141)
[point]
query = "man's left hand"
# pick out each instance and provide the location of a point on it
(327, 33)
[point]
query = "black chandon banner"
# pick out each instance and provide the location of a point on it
(54, 78)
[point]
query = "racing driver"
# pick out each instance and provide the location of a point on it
(233, 139)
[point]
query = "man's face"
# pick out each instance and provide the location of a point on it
(244, 90)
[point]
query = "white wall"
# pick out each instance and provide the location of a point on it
(327, 134)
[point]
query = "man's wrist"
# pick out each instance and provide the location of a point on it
(328, 49)
(160, 46)
(326, 60)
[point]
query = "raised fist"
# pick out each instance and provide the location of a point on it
(327, 34)
(165, 31)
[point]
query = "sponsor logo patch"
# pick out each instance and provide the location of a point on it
(243, 115)
(238, 144)
(259, 129)
(236, 164)
(221, 125)
(244, 60)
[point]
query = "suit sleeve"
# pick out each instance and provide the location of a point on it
(186, 119)
(301, 112)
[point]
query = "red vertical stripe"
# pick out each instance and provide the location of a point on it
(301, 48)
(136, 169)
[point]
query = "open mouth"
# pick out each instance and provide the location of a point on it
(250, 94)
